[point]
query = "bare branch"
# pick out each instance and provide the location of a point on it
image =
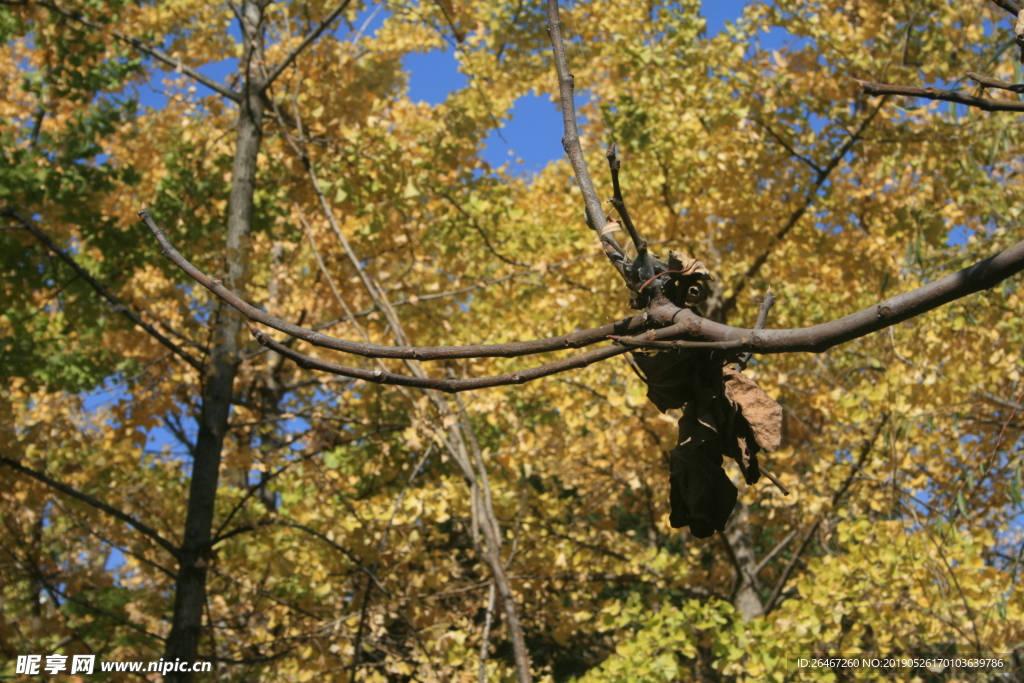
(146, 48)
(306, 42)
(99, 505)
(450, 386)
(620, 204)
(1009, 5)
(103, 291)
(678, 345)
(509, 350)
(571, 141)
(762, 317)
(989, 82)
(818, 338)
(992, 398)
(983, 103)
(773, 479)
(688, 324)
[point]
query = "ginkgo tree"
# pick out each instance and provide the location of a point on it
(358, 522)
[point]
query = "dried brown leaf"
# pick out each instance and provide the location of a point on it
(686, 266)
(701, 496)
(761, 411)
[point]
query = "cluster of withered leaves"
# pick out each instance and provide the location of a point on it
(725, 413)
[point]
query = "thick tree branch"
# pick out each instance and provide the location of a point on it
(509, 350)
(145, 48)
(306, 42)
(818, 338)
(983, 103)
(99, 505)
(103, 291)
(695, 330)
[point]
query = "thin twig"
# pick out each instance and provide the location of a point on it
(146, 48)
(866, 448)
(485, 639)
(620, 204)
(118, 305)
(995, 82)
(773, 479)
(98, 504)
(930, 93)
(310, 37)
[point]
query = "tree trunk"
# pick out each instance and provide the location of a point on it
(190, 596)
(745, 597)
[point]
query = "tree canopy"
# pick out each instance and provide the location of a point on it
(324, 499)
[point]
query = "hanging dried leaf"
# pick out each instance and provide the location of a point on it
(687, 267)
(702, 497)
(761, 411)
(740, 445)
(671, 377)
(726, 414)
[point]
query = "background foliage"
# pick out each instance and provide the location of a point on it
(901, 449)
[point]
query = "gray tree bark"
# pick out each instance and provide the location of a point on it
(220, 371)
